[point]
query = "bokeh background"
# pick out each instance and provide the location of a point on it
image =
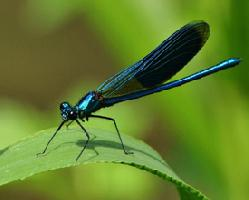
(55, 50)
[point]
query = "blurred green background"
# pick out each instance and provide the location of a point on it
(55, 50)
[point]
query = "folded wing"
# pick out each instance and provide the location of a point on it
(161, 64)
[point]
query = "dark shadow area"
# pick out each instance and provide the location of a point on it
(2, 151)
(110, 144)
(65, 143)
(93, 143)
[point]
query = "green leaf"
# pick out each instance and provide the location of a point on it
(20, 161)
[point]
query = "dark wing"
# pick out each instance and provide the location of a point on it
(161, 64)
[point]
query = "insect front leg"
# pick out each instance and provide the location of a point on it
(50, 140)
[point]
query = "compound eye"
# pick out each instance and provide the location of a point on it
(64, 105)
(64, 117)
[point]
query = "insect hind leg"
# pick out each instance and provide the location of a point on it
(119, 135)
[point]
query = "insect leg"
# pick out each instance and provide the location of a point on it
(88, 138)
(69, 123)
(111, 119)
(59, 127)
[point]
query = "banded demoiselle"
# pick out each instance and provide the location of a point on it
(145, 77)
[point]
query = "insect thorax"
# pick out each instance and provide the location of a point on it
(88, 104)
